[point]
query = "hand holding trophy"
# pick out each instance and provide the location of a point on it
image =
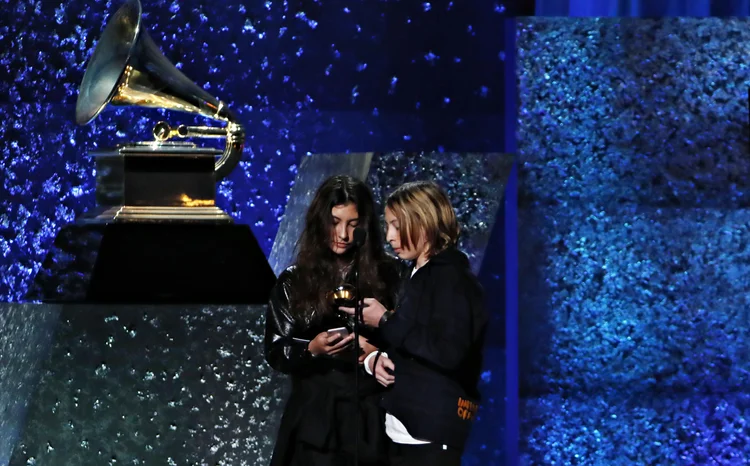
(346, 296)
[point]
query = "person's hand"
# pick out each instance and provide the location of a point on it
(372, 311)
(330, 344)
(383, 371)
(367, 348)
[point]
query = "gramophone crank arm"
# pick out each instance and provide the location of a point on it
(233, 132)
(164, 132)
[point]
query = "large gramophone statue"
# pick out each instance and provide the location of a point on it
(161, 179)
(156, 235)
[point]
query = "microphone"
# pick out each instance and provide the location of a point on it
(359, 237)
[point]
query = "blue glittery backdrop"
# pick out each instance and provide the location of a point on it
(303, 76)
(634, 219)
(642, 8)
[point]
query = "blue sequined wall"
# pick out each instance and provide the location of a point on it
(635, 251)
(303, 76)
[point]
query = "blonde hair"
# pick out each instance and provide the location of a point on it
(423, 206)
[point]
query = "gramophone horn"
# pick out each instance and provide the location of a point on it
(127, 68)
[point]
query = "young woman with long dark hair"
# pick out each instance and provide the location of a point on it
(320, 418)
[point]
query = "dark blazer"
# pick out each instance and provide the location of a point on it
(435, 340)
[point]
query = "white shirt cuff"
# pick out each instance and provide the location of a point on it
(369, 358)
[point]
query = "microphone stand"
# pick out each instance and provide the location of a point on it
(359, 240)
(357, 320)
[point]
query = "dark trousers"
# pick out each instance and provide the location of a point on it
(431, 454)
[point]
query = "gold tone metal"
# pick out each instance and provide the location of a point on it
(164, 132)
(159, 214)
(344, 295)
(188, 202)
(128, 69)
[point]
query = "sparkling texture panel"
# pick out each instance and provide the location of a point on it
(26, 332)
(303, 77)
(625, 428)
(637, 111)
(155, 385)
(475, 184)
(65, 273)
(634, 251)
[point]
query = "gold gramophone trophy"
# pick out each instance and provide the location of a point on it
(343, 295)
(158, 180)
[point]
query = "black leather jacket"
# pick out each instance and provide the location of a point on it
(287, 335)
(320, 411)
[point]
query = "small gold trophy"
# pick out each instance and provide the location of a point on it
(343, 295)
(158, 180)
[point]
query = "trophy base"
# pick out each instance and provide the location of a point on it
(157, 214)
(156, 182)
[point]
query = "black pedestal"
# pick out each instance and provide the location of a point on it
(155, 263)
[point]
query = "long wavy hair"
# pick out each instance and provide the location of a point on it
(318, 268)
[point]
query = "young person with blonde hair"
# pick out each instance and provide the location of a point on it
(434, 336)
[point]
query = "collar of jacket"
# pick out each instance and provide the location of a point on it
(449, 256)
